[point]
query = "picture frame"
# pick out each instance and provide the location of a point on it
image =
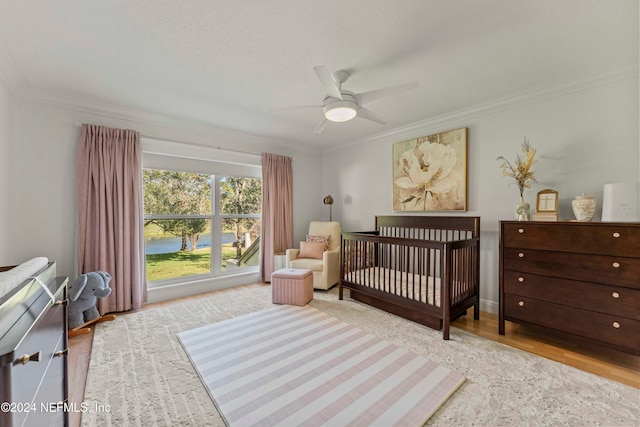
(547, 200)
(430, 172)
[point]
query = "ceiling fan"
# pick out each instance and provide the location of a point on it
(341, 105)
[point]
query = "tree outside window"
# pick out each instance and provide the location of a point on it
(200, 224)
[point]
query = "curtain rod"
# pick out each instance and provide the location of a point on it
(231, 150)
(249, 153)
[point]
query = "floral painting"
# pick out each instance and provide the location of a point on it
(430, 173)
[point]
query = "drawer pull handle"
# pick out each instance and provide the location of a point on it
(520, 230)
(61, 352)
(521, 303)
(615, 295)
(616, 265)
(35, 357)
(616, 234)
(520, 279)
(616, 325)
(520, 254)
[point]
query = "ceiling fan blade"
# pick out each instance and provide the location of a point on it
(363, 113)
(327, 81)
(372, 95)
(320, 127)
(300, 107)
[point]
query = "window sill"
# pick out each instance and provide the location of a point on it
(168, 290)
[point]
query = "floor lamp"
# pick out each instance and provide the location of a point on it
(328, 200)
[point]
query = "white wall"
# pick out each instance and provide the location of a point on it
(584, 138)
(44, 189)
(5, 173)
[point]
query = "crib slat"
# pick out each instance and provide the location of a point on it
(406, 257)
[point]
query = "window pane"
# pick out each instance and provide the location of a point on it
(177, 247)
(240, 195)
(176, 193)
(240, 243)
(180, 208)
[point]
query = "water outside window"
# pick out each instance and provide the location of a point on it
(186, 235)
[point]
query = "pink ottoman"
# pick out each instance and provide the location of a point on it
(291, 286)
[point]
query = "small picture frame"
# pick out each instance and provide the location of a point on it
(547, 201)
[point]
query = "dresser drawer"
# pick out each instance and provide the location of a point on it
(615, 330)
(611, 270)
(50, 393)
(31, 325)
(606, 299)
(619, 240)
(50, 386)
(43, 339)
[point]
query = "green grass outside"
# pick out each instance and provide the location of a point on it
(184, 263)
(179, 264)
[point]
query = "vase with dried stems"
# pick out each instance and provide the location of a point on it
(521, 170)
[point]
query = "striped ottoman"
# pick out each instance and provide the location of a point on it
(291, 286)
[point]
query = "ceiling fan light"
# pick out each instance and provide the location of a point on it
(340, 111)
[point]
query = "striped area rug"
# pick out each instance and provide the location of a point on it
(293, 366)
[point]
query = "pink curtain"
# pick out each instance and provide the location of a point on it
(110, 213)
(277, 210)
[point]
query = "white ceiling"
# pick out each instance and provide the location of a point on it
(223, 63)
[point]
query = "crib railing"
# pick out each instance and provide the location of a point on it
(408, 265)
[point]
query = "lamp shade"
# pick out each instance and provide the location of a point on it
(340, 111)
(328, 200)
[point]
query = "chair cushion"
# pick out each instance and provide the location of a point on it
(311, 250)
(323, 228)
(291, 273)
(320, 239)
(308, 263)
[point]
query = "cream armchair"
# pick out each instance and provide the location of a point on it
(326, 271)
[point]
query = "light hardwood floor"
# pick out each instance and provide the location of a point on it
(615, 365)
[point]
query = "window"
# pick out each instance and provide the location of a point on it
(198, 224)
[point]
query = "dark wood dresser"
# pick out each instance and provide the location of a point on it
(579, 278)
(34, 352)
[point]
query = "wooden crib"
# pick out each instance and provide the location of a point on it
(422, 268)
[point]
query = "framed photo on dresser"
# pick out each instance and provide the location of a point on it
(546, 205)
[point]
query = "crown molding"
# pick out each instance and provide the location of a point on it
(19, 87)
(93, 107)
(90, 106)
(455, 118)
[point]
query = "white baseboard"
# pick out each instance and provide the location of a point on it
(489, 306)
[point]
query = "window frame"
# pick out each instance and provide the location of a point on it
(212, 161)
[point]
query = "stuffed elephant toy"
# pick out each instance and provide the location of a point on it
(83, 295)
